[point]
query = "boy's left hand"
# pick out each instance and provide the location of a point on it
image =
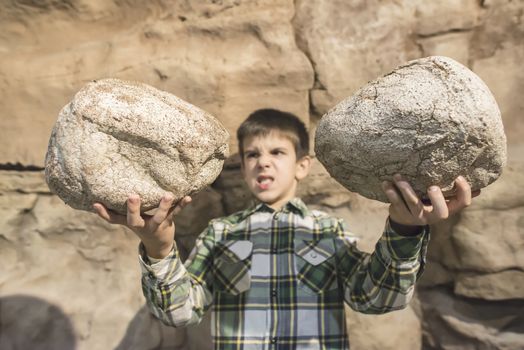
(408, 209)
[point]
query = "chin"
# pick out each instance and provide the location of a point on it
(266, 198)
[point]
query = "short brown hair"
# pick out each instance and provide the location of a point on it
(263, 121)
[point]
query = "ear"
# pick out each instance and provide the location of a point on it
(302, 167)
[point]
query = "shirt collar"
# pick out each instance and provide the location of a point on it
(295, 205)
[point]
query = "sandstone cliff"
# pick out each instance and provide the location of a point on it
(68, 280)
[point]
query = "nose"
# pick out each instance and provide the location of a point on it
(263, 160)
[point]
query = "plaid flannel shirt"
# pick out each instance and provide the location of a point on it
(278, 279)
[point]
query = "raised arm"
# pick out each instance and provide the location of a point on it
(176, 296)
(385, 280)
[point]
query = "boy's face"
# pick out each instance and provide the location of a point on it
(271, 169)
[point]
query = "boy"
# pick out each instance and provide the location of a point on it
(277, 274)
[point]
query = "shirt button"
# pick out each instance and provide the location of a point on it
(275, 217)
(274, 340)
(313, 255)
(273, 292)
(274, 250)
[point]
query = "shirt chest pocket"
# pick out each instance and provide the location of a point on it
(315, 265)
(231, 266)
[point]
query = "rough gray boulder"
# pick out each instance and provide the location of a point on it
(116, 137)
(430, 120)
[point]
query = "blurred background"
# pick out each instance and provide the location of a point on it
(68, 280)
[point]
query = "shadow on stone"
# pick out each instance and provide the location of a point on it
(146, 332)
(28, 322)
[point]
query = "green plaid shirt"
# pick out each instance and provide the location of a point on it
(278, 279)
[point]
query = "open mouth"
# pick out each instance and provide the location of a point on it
(264, 181)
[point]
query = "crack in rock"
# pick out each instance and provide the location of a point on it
(431, 121)
(118, 137)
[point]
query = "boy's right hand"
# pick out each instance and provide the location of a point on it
(157, 232)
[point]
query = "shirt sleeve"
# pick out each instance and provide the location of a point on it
(384, 280)
(179, 294)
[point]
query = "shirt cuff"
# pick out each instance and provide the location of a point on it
(401, 247)
(159, 269)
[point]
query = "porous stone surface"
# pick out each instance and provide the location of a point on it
(431, 120)
(118, 137)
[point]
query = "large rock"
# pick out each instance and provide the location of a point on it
(228, 57)
(117, 138)
(470, 324)
(431, 120)
(496, 286)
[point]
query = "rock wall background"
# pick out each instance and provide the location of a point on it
(68, 280)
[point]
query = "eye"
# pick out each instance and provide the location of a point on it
(278, 151)
(251, 154)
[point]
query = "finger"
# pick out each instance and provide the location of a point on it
(101, 211)
(108, 216)
(397, 203)
(413, 203)
(163, 209)
(181, 205)
(134, 219)
(462, 197)
(440, 206)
